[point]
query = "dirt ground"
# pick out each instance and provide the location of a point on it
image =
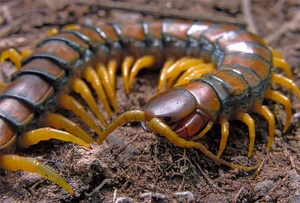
(140, 167)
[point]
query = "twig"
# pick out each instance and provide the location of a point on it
(190, 196)
(261, 165)
(247, 11)
(12, 27)
(290, 157)
(237, 195)
(275, 186)
(6, 13)
(126, 145)
(105, 181)
(208, 179)
(158, 11)
(115, 195)
(284, 28)
(153, 195)
(32, 188)
(124, 199)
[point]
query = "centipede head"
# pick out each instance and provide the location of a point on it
(175, 108)
(178, 109)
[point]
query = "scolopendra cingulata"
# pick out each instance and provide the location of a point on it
(236, 82)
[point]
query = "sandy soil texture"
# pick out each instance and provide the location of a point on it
(140, 167)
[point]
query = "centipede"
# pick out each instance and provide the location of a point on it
(210, 73)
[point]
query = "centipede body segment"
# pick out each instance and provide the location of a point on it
(212, 73)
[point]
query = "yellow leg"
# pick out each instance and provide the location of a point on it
(275, 53)
(81, 88)
(143, 62)
(205, 130)
(112, 69)
(72, 27)
(282, 64)
(224, 132)
(269, 116)
(126, 66)
(161, 128)
(167, 70)
(279, 62)
(174, 74)
(53, 31)
(194, 72)
(280, 98)
(68, 102)
(25, 53)
(61, 122)
(156, 125)
(13, 162)
(246, 118)
(2, 84)
(35, 136)
(104, 76)
(163, 73)
(91, 76)
(128, 116)
(13, 55)
(280, 79)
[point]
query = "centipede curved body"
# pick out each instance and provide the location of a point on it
(238, 84)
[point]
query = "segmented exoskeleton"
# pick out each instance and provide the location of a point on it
(202, 96)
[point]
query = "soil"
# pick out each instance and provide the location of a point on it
(137, 166)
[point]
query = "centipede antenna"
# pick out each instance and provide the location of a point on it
(80, 87)
(35, 136)
(246, 118)
(128, 116)
(280, 98)
(14, 163)
(91, 76)
(159, 127)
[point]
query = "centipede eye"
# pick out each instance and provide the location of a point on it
(167, 119)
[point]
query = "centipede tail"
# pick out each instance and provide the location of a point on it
(209, 74)
(48, 75)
